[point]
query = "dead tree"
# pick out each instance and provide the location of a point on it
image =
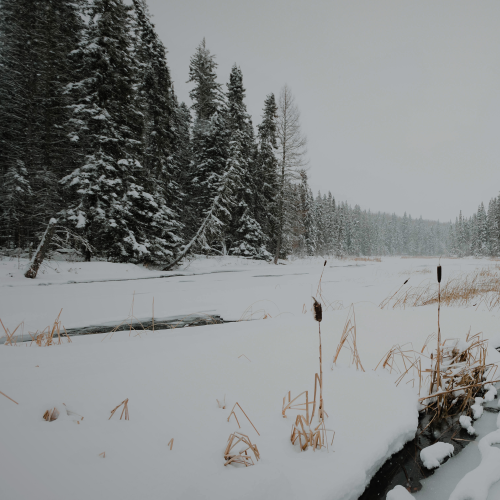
(41, 251)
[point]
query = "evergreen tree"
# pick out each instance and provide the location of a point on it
(115, 202)
(266, 171)
(210, 135)
(247, 236)
(36, 40)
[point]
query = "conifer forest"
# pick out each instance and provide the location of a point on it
(93, 135)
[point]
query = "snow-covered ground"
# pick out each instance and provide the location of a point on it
(172, 378)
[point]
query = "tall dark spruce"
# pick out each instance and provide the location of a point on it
(35, 152)
(114, 202)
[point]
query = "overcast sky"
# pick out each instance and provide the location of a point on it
(400, 100)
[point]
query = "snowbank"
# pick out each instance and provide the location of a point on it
(433, 455)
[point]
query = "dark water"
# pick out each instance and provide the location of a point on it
(186, 321)
(405, 467)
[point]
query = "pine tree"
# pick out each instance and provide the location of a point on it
(113, 197)
(266, 171)
(492, 228)
(36, 40)
(247, 236)
(210, 133)
(482, 232)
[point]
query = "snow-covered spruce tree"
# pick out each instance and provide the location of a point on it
(266, 172)
(182, 161)
(209, 138)
(160, 134)
(111, 203)
(36, 39)
(493, 228)
(291, 158)
(246, 237)
(481, 248)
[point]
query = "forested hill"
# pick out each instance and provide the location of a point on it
(92, 134)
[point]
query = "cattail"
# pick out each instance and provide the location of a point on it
(318, 311)
(324, 264)
(439, 274)
(406, 281)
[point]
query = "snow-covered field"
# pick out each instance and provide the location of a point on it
(172, 378)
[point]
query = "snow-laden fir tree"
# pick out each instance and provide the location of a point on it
(246, 236)
(210, 134)
(36, 40)
(266, 172)
(114, 203)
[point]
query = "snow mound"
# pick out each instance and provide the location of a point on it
(399, 493)
(466, 423)
(477, 409)
(433, 455)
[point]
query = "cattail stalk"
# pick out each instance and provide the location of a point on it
(318, 316)
(438, 360)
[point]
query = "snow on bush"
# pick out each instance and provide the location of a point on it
(433, 455)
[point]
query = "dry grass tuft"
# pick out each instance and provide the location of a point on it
(315, 437)
(241, 457)
(462, 375)
(363, 259)
(481, 286)
(348, 340)
(51, 335)
(124, 411)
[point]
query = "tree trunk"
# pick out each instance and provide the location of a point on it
(278, 248)
(41, 250)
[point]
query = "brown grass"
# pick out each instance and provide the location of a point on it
(348, 340)
(481, 286)
(124, 410)
(241, 457)
(363, 259)
(51, 335)
(461, 376)
(233, 413)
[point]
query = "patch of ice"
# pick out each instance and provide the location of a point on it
(476, 484)
(433, 455)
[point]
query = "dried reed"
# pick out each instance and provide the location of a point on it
(481, 286)
(8, 397)
(233, 413)
(348, 340)
(124, 410)
(242, 457)
(316, 437)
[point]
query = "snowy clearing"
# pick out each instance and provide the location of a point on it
(173, 378)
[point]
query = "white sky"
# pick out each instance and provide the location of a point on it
(399, 100)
